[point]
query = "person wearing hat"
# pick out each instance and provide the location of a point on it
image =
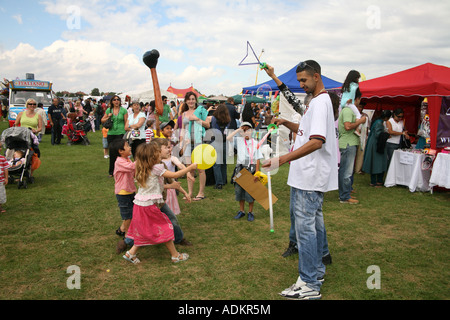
(248, 157)
(167, 128)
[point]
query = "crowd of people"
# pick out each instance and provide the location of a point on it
(148, 152)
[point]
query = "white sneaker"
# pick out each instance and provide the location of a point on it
(106, 156)
(294, 287)
(303, 293)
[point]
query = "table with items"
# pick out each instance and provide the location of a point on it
(440, 175)
(409, 168)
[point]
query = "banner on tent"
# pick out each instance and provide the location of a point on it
(443, 132)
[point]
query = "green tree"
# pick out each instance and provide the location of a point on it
(95, 92)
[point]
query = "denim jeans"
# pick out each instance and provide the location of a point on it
(220, 167)
(293, 236)
(306, 207)
(346, 171)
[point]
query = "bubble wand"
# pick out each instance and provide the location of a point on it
(261, 65)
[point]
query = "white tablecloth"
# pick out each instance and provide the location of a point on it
(440, 175)
(406, 169)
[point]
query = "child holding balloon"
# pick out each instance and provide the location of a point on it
(149, 225)
(248, 156)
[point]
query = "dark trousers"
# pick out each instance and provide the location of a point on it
(56, 132)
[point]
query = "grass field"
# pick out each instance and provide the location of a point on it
(68, 217)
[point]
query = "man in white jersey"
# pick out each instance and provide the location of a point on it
(313, 171)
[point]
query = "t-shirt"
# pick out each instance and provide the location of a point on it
(3, 166)
(55, 112)
(132, 121)
(346, 95)
(347, 137)
(165, 116)
(245, 148)
(118, 127)
(153, 193)
(124, 176)
(317, 171)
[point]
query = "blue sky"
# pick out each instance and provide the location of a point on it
(202, 42)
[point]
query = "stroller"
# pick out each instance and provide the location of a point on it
(19, 138)
(75, 130)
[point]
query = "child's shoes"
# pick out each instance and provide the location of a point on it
(239, 215)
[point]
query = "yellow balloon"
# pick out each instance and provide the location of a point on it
(204, 155)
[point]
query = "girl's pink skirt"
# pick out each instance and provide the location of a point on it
(149, 226)
(172, 201)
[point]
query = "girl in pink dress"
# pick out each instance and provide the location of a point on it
(149, 226)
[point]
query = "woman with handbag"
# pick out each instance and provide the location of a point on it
(117, 116)
(395, 127)
(135, 127)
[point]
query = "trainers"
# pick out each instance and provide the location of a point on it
(250, 216)
(290, 250)
(303, 293)
(239, 215)
(350, 201)
(294, 287)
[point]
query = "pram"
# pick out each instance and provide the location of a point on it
(75, 130)
(19, 138)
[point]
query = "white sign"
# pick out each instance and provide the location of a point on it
(406, 158)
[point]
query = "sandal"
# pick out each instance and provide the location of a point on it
(132, 258)
(120, 233)
(181, 257)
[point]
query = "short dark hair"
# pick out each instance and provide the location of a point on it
(310, 66)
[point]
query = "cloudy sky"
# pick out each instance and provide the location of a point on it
(86, 44)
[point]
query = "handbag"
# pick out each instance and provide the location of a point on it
(108, 124)
(404, 143)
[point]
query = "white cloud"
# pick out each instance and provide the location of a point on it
(18, 18)
(202, 42)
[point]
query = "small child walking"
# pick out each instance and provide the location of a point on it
(105, 143)
(248, 156)
(149, 225)
(4, 165)
(124, 186)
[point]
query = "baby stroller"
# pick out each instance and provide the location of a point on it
(19, 138)
(75, 129)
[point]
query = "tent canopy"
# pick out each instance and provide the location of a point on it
(426, 80)
(290, 79)
(407, 89)
(182, 92)
(238, 99)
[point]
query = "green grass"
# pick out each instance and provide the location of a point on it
(69, 216)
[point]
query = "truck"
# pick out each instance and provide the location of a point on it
(22, 90)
